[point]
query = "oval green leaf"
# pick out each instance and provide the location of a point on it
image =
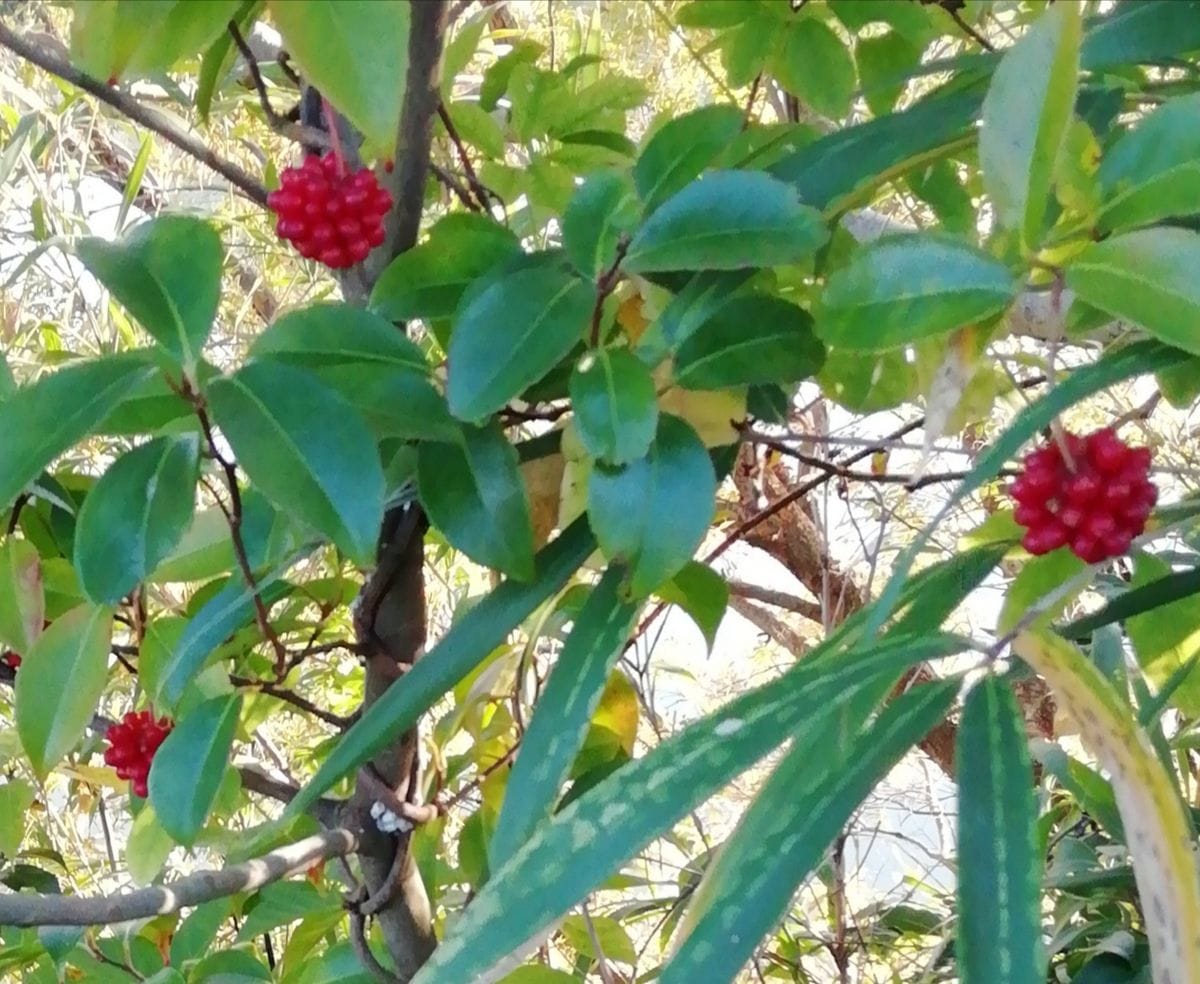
(910, 287)
(1025, 119)
(811, 62)
(602, 210)
(306, 449)
(167, 274)
(752, 339)
(332, 333)
(473, 492)
(652, 513)
(340, 46)
(188, 767)
(727, 220)
(135, 516)
(41, 421)
(62, 677)
(22, 601)
(511, 334)
(1149, 277)
(616, 411)
(681, 148)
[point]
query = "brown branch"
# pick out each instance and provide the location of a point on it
(770, 625)
(39, 55)
(449, 181)
(24, 909)
(280, 123)
(605, 285)
(482, 193)
(956, 16)
(780, 599)
(291, 697)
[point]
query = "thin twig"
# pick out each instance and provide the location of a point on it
(291, 697)
(957, 17)
(25, 909)
(605, 284)
(748, 116)
(452, 183)
(281, 123)
(481, 192)
(37, 54)
(780, 599)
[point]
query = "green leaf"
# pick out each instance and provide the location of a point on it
(1141, 32)
(333, 333)
(999, 874)
(473, 492)
(713, 13)
(206, 549)
(477, 128)
(652, 513)
(1153, 172)
(339, 46)
(1147, 597)
(228, 610)
(1038, 578)
(8, 385)
(909, 287)
(1025, 119)
(394, 402)
(280, 904)
(700, 592)
(22, 602)
(470, 639)
(540, 973)
(1164, 638)
(220, 56)
(135, 515)
(1147, 276)
(41, 421)
(428, 281)
(560, 721)
(847, 165)
(148, 846)
(16, 796)
(188, 767)
(588, 840)
(1115, 366)
(198, 930)
(615, 405)
(938, 185)
(884, 64)
(783, 837)
(511, 334)
(131, 38)
(306, 449)
(727, 220)
(611, 940)
(497, 76)
(754, 338)
(681, 148)
(51, 715)
(813, 64)
(602, 210)
(167, 274)
(1180, 385)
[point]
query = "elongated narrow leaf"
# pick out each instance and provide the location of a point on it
(1144, 598)
(752, 339)
(1025, 119)
(1157, 831)
(473, 492)
(681, 148)
(845, 166)
(167, 273)
(41, 421)
(337, 334)
(339, 46)
(1150, 31)
(1113, 367)
(907, 288)
(783, 836)
(511, 334)
(588, 840)
(428, 280)
(616, 408)
(229, 609)
(220, 55)
(306, 449)
(1147, 276)
(61, 679)
(188, 768)
(1154, 171)
(460, 650)
(22, 601)
(999, 874)
(135, 515)
(16, 797)
(652, 513)
(727, 220)
(1164, 639)
(560, 721)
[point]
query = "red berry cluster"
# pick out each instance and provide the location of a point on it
(132, 745)
(330, 215)
(1097, 502)
(9, 658)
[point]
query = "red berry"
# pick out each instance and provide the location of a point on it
(132, 744)
(1097, 498)
(11, 659)
(330, 215)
